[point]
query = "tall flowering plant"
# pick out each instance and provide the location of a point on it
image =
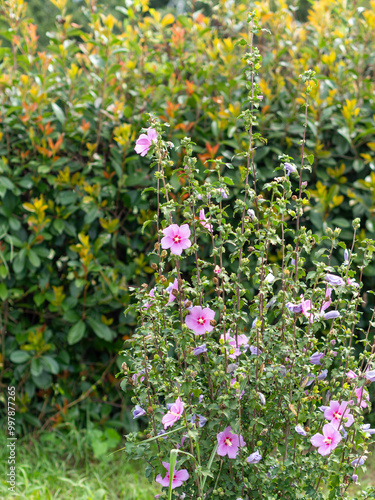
(242, 363)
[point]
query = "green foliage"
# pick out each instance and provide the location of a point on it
(71, 201)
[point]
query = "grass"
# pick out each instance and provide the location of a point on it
(59, 466)
(62, 467)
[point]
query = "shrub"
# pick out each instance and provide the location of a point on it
(242, 365)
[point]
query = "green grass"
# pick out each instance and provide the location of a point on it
(61, 467)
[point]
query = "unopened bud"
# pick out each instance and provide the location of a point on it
(124, 367)
(215, 280)
(294, 197)
(163, 254)
(163, 279)
(148, 436)
(180, 283)
(187, 304)
(174, 292)
(150, 410)
(213, 322)
(251, 249)
(154, 266)
(156, 246)
(144, 285)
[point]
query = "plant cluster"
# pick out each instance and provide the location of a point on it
(242, 364)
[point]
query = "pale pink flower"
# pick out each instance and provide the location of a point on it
(152, 295)
(351, 374)
(176, 238)
(179, 476)
(172, 286)
(217, 269)
(327, 441)
(242, 340)
(339, 414)
(144, 142)
(199, 320)
(361, 395)
(229, 443)
(205, 224)
(173, 414)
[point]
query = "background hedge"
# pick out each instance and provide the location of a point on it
(71, 187)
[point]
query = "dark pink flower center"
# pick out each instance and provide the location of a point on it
(177, 239)
(337, 415)
(228, 442)
(328, 440)
(201, 321)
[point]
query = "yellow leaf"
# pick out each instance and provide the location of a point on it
(168, 19)
(371, 145)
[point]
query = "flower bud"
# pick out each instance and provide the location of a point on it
(156, 246)
(154, 266)
(213, 322)
(180, 283)
(124, 367)
(294, 197)
(174, 292)
(187, 304)
(163, 279)
(164, 254)
(215, 280)
(150, 410)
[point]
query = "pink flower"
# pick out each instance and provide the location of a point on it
(179, 476)
(174, 413)
(217, 269)
(144, 142)
(339, 414)
(229, 443)
(172, 286)
(327, 441)
(351, 374)
(176, 238)
(205, 224)
(361, 395)
(152, 295)
(199, 320)
(242, 339)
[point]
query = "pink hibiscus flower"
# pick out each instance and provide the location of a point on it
(242, 340)
(199, 320)
(361, 396)
(152, 295)
(144, 142)
(172, 286)
(174, 413)
(327, 441)
(176, 238)
(229, 443)
(179, 476)
(339, 414)
(202, 218)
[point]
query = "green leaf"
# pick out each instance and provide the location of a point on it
(3, 291)
(76, 333)
(50, 364)
(228, 181)
(19, 357)
(58, 112)
(33, 258)
(310, 159)
(7, 183)
(36, 367)
(59, 225)
(101, 330)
